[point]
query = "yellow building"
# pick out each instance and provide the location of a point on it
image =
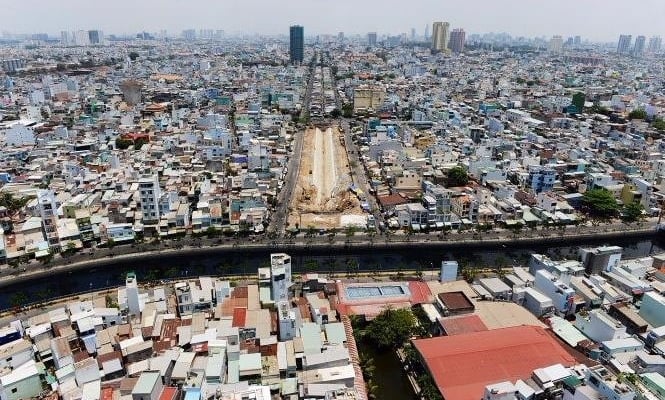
(630, 194)
(368, 97)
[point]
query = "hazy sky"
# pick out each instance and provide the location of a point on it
(601, 20)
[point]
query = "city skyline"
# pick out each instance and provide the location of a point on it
(516, 17)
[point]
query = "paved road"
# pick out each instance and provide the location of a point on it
(209, 247)
(359, 174)
(279, 218)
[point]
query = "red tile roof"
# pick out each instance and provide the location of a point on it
(168, 393)
(462, 324)
(107, 394)
(239, 317)
(420, 293)
(463, 365)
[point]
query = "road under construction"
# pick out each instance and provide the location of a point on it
(322, 198)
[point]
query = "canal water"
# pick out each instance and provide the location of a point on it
(389, 376)
(339, 263)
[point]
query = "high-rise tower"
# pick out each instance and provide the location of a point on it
(457, 40)
(371, 39)
(640, 44)
(440, 36)
(297, 44)
(624, 44)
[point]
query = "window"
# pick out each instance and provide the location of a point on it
(14, 390)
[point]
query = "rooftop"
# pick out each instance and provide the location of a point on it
(463, 365)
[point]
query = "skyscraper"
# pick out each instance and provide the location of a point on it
(371, 39)
(65, 38)
(189, 34)
(640, 44)
(655, 44)
(624, 44)
(81, 38)
(577, 41)
(556, 44)
(96, 37)
(297, 44)
(440, 36)
(457, 40)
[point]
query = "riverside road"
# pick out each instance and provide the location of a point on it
(313, 244)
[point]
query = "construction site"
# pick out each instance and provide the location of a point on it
(322, 198)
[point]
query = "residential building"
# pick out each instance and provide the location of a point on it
(457, 40)
(440, 36)
(624, 44)
(640, 46)
(556, 44)
(150, 193)
(371, 39)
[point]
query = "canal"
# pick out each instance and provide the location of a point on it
(389, 378)
(339, 263)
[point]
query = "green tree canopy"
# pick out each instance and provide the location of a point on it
(347, 110)
(391, 328)
(578, 101)
(457, 176)
(12, 203)
(658, 124)
(637, 114)
(600, 203)
(122, 144)
(632, 212)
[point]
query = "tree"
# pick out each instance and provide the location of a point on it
(133, 55)
(350, 230)
(658, 124)
(47, 258)
(122, 144)
(632, 212)
(139, 143)
(457, 176)
(637, 114)
(18, 299)
(600, 203)
(598, 109)
(336, 113)
(391, 328)
(578, 101)
(14, 204)
(347, 110)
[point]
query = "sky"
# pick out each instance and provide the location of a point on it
(596, 20)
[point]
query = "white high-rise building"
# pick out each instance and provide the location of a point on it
(655, 44)
(150, 193)
(280, 276)
(48, 207)
(65, 38)
(287, 321)
(440, 36)
(556, 44)
(132, 292)
(81, 38)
